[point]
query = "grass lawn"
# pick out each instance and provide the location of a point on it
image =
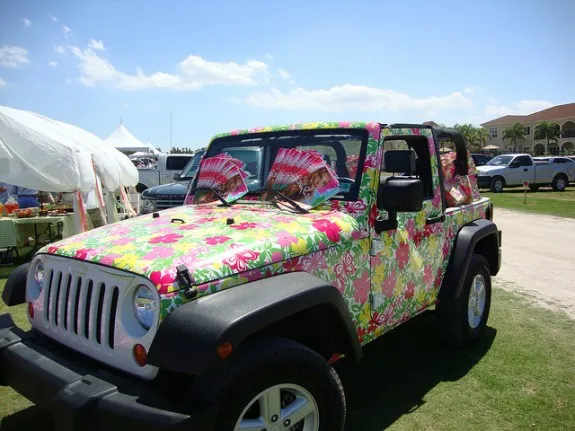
(520, 376)
(544, 201)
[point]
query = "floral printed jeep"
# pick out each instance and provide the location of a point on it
(229, 315)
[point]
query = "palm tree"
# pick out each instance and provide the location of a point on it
(547, 130)
(481, 136)
(468, 132)
(514, 132)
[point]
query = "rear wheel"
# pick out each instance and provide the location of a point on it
(560, 183)
(497, 184)
(276, 384)
(463, 319)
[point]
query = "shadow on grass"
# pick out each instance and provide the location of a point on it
(392, 379)
(400, 368)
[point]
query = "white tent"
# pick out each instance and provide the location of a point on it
(123, 140)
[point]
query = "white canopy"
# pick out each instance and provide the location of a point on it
(45, 154)
(123, 140)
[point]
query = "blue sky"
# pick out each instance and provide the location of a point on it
(220, 65)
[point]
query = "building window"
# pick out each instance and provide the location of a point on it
(527, 130)
(527, 149)
(493, 132)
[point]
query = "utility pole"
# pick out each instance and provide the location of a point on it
(171, 132)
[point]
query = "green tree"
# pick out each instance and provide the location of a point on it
(481, 136)
(547, 130)
(514, 132)
(469, 133)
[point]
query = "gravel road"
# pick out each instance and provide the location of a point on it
(538, 258)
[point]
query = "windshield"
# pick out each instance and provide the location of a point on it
(343, 150)
(191, 168)
(500, 161)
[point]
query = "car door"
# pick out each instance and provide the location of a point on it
(520, 169)
(405, 261)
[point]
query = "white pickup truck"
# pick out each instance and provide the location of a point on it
(511, 170)
(168, 166)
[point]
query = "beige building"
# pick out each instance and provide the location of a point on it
(562, 115)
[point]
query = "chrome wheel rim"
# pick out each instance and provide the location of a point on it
(560, 183)
(476, 303)
(498, 185)
(285, 407)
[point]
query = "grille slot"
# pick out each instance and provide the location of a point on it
(81, 307)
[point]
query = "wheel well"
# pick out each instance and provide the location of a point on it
(141, 187)
(487, 247)
(318, 327)
(560, 174)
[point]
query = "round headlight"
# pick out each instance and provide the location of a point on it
(145, 305)
(39, 273)
(147, 205)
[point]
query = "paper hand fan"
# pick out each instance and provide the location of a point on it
(222, 176)
(302, 176)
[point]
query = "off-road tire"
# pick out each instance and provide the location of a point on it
(265, 362)
(495, 187)
(560, 183)
(452, 313)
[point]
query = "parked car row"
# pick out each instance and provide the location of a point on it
(511, 170)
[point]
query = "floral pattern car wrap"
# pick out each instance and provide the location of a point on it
(333, 242)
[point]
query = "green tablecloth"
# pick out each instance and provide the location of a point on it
(14, 231)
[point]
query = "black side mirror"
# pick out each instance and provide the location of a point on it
(400, 195)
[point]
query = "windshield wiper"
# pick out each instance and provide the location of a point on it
(215, 192)
(289, 200)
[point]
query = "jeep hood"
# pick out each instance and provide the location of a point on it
(211, 241)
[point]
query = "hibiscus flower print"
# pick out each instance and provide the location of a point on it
(346, 267)
(215, 240)
(86, 253)
(238, 261)
(409, 290)
(355, 209)
(124, 241)
(245, 225)
(361, 286)
(158, 253)
(331, 229)
(389, 285)
(285, 239)
(162, 281)
(166, 239)
(109, 259)
(314, 261)
(402, 255)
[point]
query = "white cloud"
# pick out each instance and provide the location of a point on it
(13, 56)
(355, 97)
(468, 90)
(59, 49)
(68, 81)
(3, 83)
(67, 31)
(523, 107)
(97, 44)
(53, 64)
(193, 73)
(53, 18)
(284, 73)
(26, 22)
(269, 56)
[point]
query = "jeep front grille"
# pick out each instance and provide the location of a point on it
(81, 306)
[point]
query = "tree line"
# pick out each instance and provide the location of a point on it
(477, 137)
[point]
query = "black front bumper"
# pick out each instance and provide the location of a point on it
(82, 396)
(483, 182)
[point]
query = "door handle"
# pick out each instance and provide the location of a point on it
(437, 219)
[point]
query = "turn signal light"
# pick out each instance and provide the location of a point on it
(31, 310)
(140, 355)
(224, 350)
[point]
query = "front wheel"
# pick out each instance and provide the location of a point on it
(277, 384)
(463, 319)
(497, 185)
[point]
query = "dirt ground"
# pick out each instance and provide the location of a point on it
(538, 258)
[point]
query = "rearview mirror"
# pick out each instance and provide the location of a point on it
(400, 195)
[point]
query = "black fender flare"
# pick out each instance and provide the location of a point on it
(187, 339)
(15, 289)
(480, 236)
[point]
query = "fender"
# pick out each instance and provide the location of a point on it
(480, 236)
(187, 339)
(15, 290)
